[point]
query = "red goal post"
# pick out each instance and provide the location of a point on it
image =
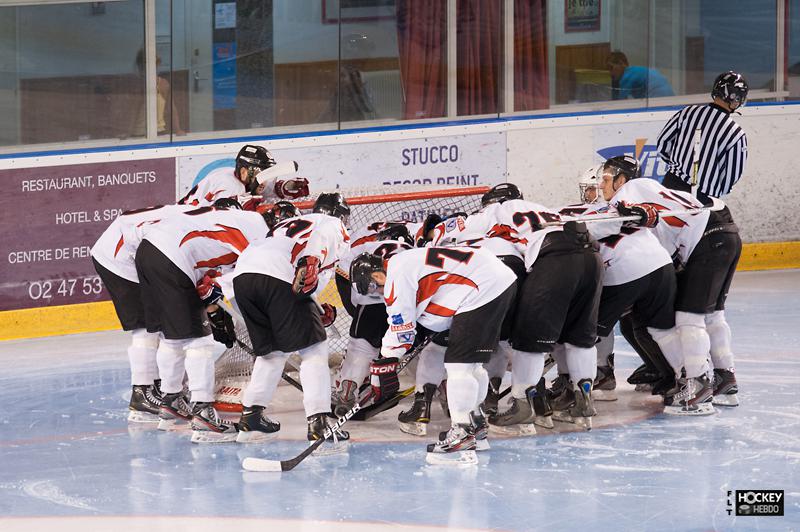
(411, 204)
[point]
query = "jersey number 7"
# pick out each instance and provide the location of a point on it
(436, 256)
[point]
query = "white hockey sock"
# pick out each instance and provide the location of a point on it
(498, 363)
(560, 356)
(430, 366)
(170, 357)
(315, 378)
(526, 370)
(604, 348)
(669, 340)
(142, 357)
(483, 384)
(355, 366)
(462, 391)
(582, 362)
(719, 334)
(695, 343)
(267, 372)
(200, 369)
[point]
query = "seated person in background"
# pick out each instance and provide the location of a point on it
(635, 81)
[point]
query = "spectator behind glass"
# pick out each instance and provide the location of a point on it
(163, 96)
(635, 81)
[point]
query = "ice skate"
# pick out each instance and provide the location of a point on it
(346, 398)
(661, 386)
(480, 428)
(256, 427)
(145, 404)
(336, 443)
(457, 447)
(559, 385)
(582, 410)
(643, 378)
(605, 385)
(518, 420)
(415, 420)
(542, 410)
(725, 388)
(691, 397)
(492, 396)
(208, 427)
(174, 413)
(443, 398)
(562, 405)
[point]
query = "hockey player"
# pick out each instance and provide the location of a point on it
(113, 258)
(466, 291)
(175, 257)
(367, 311)
(707, 247)
(251, 175)
(273, 283)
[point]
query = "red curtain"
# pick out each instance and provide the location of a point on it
(478, 50)
(531, 84)
(422, 40)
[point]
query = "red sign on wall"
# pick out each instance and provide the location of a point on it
(51, 218)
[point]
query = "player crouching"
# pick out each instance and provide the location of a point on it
(467, 291)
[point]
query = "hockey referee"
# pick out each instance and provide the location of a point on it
(705, 150)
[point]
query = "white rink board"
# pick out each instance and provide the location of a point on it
(465, 160)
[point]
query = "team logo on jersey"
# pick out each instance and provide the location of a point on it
(403, 327)
(406, 337)
(397, 319)
(452, 223)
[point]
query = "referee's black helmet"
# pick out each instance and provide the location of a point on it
(731, 88)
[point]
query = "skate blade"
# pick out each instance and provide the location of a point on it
(563, 416)
(331, 448)
(703, 409)
(583, 422)
(642, 388)
(726, 400)
(544, 421)
(604, 395)
(413, 428)
(173, 424)
(456, 459)
(482, 445)
(136, 416)
(206, 436)
(521, 429)
(255, 436)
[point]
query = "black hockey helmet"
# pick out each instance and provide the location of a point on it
(731, 88)
(227, 203)
(282, 210)
(500, 193)
(361, 270)
(396, 232)
(254, 159)
(623, 165)
(333, 204)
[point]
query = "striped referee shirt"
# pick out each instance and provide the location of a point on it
(723, 148)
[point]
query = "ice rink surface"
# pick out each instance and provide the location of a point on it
(69, 461)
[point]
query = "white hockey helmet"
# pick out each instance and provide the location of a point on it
(589, 184)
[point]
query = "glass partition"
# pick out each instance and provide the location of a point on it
(89, 74)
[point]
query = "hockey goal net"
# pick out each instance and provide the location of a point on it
(234, 366)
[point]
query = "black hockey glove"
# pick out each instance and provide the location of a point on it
(383, 378)
(648, 214)
(222, 327)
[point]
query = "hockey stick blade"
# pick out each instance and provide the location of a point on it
(375, 409)
(716, 205)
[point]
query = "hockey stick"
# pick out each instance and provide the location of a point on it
(276, 466)
(605, 217)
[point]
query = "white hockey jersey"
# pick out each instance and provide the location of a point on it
(628, 253)
(500, 240)
(431, 285)
(219, 183)
(116, 247)
(206, 238)
(383, 248)
(310, 235)
(677, 234)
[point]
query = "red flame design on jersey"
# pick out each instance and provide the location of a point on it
(671, 220)
(297, 249)
(390, 299)
(228, 235)
(506, 233)
(228, 258)
(363, 240)
(119, 245)
(430, 284)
